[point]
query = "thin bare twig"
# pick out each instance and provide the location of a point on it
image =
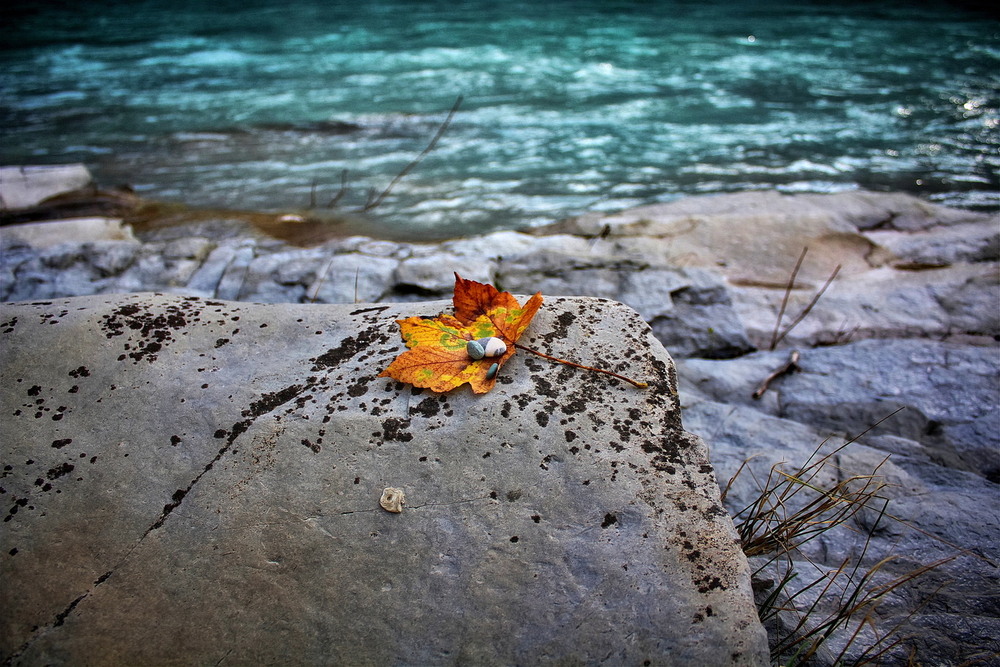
(809, 306)
(340, 193)
(373, 202)
(789, 366)
(788, 292)
(320, 279)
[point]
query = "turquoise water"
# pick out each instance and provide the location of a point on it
(568, 106)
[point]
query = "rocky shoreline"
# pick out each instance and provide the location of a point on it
(901, 305)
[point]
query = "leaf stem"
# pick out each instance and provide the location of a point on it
(635, 383)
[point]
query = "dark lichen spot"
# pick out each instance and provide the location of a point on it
(176, 439)
(59, 444)
(59, 471)
(358, 388)
(238, 429)
(221, 341)
(542, 418)
(565, 320)
(426, 408)
(35, 390)
(394, 428)
(268, 402)
(175, 500)
(708, 583)
(536, 518)
(349, 347)
(609, 520)
(311, 445)
(514, 539)
(220, 433)
(373, 309)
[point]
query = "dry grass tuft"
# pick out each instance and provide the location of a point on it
(829, 618)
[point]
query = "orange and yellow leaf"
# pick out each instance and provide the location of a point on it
(436, 358)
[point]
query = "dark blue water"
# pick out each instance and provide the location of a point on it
(568, 106)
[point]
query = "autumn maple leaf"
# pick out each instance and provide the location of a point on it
(437, 358)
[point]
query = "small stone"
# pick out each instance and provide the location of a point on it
(485, 347)
(392, 500)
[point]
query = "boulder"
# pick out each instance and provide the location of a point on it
(197, 481)
(23, 187)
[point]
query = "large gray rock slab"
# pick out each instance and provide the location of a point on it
(752, 235)
(197, 482)
(949, 394)
(957, 302)
(907, 268)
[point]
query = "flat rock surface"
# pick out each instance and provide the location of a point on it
(198, 481)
